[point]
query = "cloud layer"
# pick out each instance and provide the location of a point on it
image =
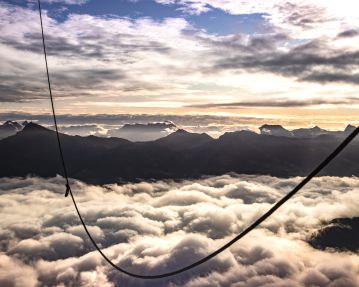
(160, 226)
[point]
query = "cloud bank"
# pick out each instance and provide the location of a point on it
(160, 226)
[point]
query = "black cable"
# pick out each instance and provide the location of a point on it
(243, 233)
(255, 224)
(53, 107)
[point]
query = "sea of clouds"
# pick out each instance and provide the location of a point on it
(155, 227)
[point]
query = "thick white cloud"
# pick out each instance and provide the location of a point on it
(15, 273)
(157, 227)
(313, 18)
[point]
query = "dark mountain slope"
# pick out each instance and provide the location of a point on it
(339, 234)
(182, 139)
(179, 155)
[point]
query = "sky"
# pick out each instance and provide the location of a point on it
(282, 60)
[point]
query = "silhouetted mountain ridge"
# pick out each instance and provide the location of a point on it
(179, 155)
(280, 131)
(33, 127)
(144, 132)
(183, 139)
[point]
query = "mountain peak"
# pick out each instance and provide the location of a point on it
(233, 136)
(349, 128)
(183, 139)
(13, 124)
(275, 130)
(309, 132)
(9, 128)
(30, 127)
(181, 132)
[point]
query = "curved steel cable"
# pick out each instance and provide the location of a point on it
(255, 224)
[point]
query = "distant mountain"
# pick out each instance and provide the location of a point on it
(279, 131)
(275, 130)
(144, 132)
(340, 234)
(179, 155)
(182, 139)
(81, 130)
(10, 128)
(309, 132)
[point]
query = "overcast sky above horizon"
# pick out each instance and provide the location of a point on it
(275, 59)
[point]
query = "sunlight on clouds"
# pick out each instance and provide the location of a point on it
(117, 64)
(153, 227)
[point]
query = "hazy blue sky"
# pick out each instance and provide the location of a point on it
(270, 59)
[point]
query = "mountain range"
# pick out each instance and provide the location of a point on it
(279, 131)
(132, 132)
(10, 128)
(155, 130)
(144, 132)
(181, 154)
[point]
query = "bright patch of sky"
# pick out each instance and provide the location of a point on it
(214, 20)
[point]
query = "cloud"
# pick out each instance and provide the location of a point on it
(288, 103)
(314, 61)
(233, 7)
(349, 33)
(306, 19)
(298, 16)
(107, 62)
(333, 77)
(160, 226)
(14, 273)
(94, 49)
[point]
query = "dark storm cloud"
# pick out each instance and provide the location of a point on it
(82, 79)
(242, 44)
(332, 77)
(14, 91)
(55, 45)
(349, 33)
(280, 103)
(307, 62)
(101, 46)
(73, 82)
